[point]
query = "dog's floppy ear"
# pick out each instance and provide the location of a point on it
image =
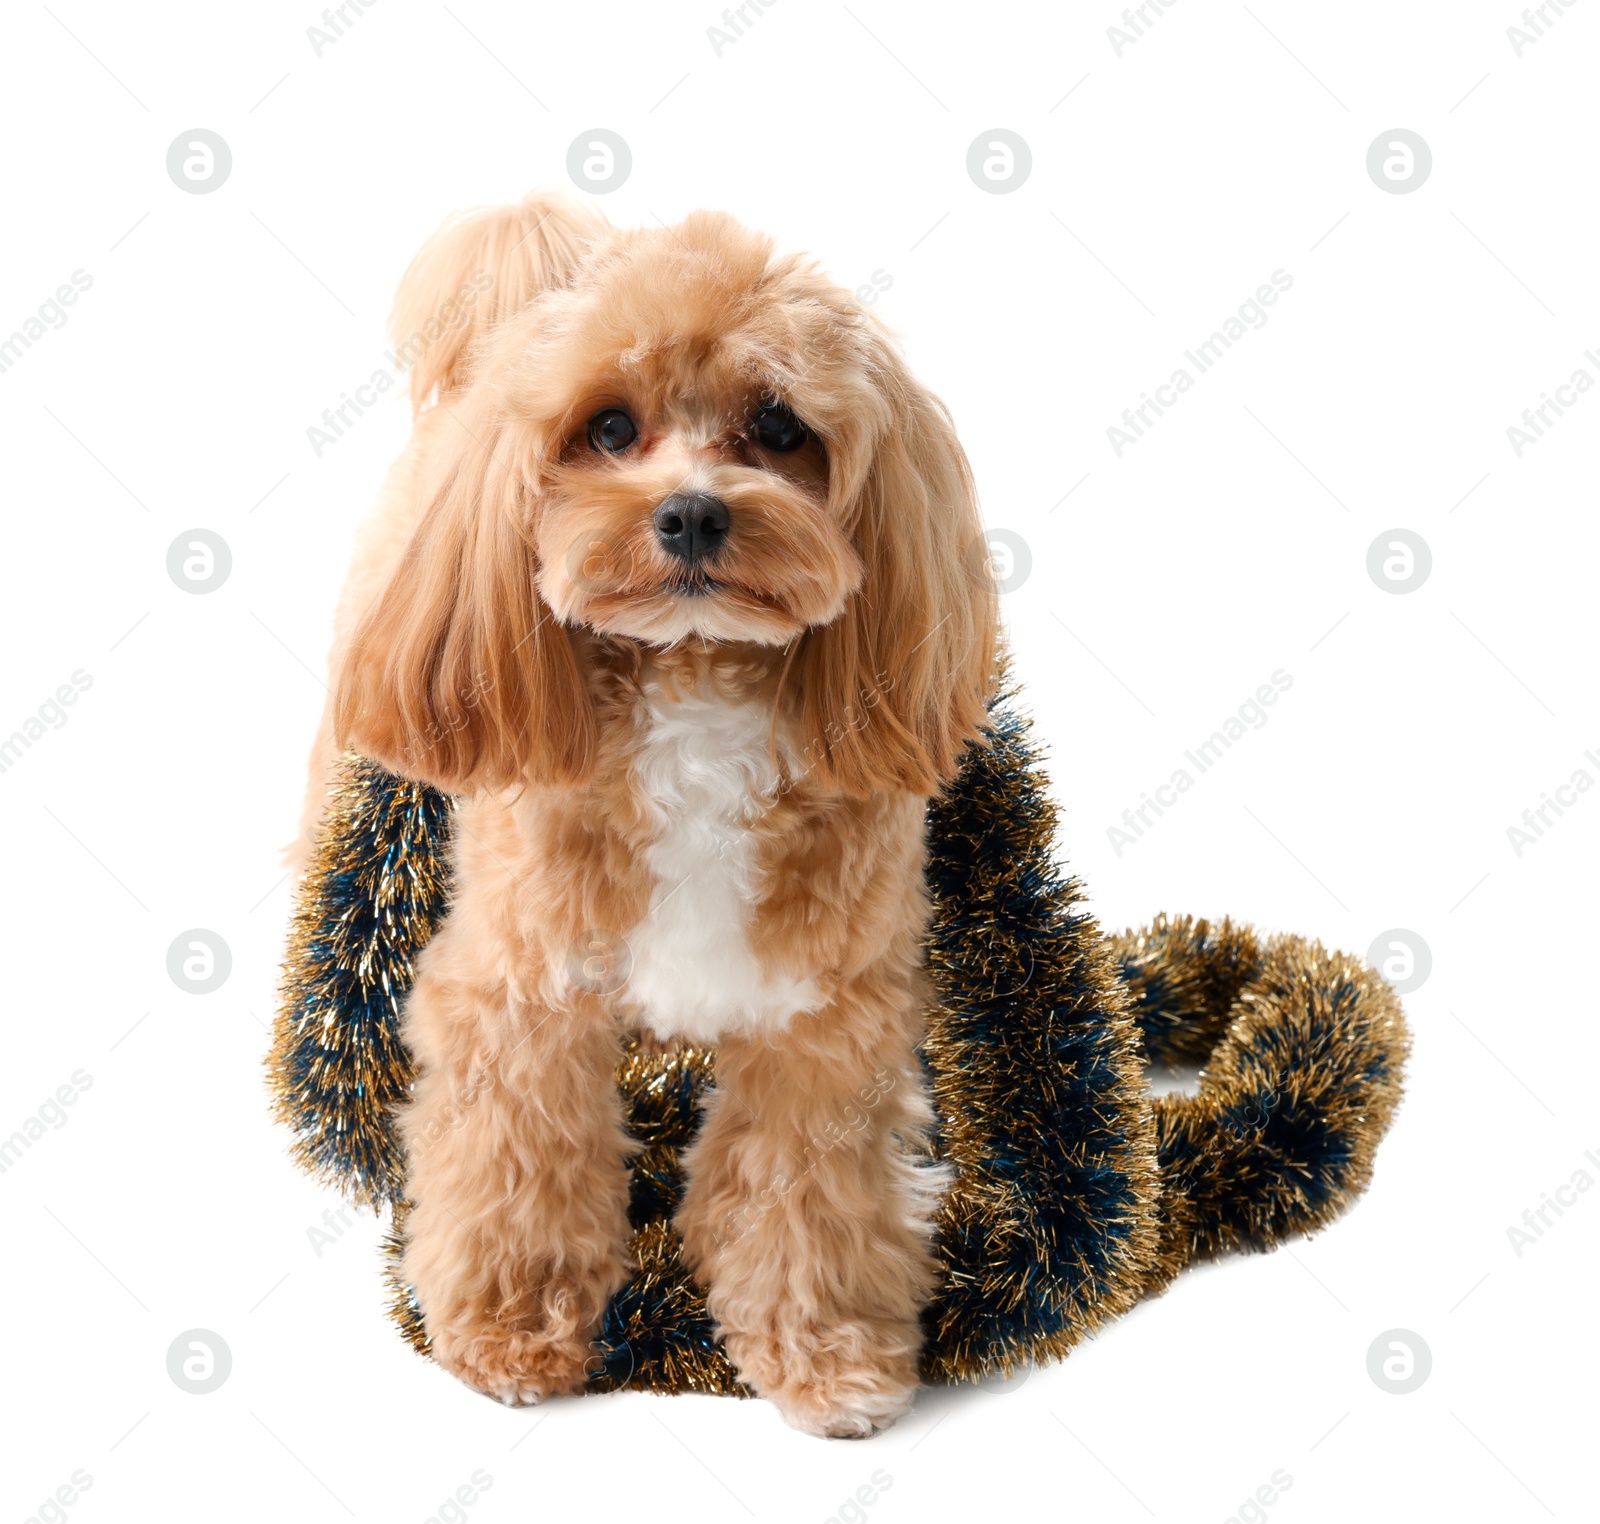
(893, 689)
(480, 268)
(458, 674)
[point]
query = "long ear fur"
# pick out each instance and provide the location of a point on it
(892, 691)
(480, 268)
(458, 674)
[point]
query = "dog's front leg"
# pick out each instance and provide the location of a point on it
(516, 1153)
(806, 1219)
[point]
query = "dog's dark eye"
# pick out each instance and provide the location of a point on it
(774, 427)
(612, 430)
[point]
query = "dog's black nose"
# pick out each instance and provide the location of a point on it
(692, 525)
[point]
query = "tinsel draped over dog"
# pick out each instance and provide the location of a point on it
(1074, 1193)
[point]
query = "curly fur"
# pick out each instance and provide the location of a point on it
(725, 778)
(693, 806)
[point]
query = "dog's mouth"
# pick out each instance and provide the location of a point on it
(686, 604)
(694, 585)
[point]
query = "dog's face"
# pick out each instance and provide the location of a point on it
(703, 517)
(689, 438)
(698, 412)
(684, 410)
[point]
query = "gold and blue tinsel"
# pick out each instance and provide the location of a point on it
(1074, 1192)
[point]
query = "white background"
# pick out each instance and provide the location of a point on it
(1166, 585)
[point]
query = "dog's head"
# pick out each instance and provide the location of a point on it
(684, 437)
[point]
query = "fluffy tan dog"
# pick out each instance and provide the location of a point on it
(681, 587)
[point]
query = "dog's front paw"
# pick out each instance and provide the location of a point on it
(837, 1386)
(512, 1365)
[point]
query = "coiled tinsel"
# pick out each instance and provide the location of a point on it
(1074, 1193)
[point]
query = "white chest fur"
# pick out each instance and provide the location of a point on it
(705, 769)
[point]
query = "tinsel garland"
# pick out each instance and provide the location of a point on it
(376, 887)
(1074, 1194)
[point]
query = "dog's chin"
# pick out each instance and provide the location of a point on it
(700, 609)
